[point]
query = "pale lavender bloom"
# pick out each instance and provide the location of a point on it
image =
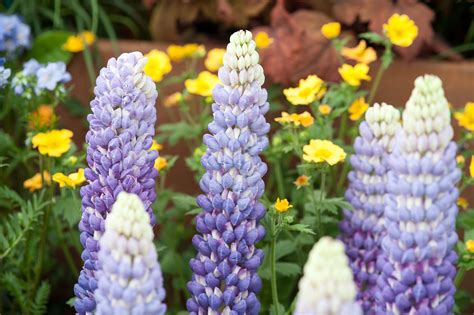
(122, 125)
(14, 34)
(4, 73)
(51, 75)
(31, 67)
(418, 258)
(225, 279)
(129, 279)
(362, 227)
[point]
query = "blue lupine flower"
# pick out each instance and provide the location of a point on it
(14, 34)
(129, 279)
(122, 125)
(418, 258)
(225, 279)
(327, 286)
(362, 228)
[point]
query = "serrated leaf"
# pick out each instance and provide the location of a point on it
(303, 228)
(68, 209)
(47, 47)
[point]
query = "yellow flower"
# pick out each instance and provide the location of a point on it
(71, 160)
(262, 40)
(471, 166)
(36, 182)
(305, 119)
(214, 59)
(301, 181)
(178, 53)
(77, 43)
(160, 163)
(463, 203)
(460, 159)
(72, 180)
(308, 90)
(282, 205)
(203, 84)
(53, 143)
(361, 53)
(470, 246)
(41, 117)
(173, 99)
(466, 118)
(158, 65)
(318, 151)
(354, 74)
(331, 30)
(155, 146)
(358, 108)
(401, 30)
(324, 109)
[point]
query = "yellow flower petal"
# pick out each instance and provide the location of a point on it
(74, 44)
(309, 90)
(361, 53)
(401, 30)
(471, 167)
(72, 180)
(214, 59)
(357, 109)
(324, 109)
(53, 143)
(282, 205)
(160, 163)
(470, 246)
(353, 75)
(36, 182)
(466, 117)
(331, 30)
(203, 84)
(158, 65)
(318, 151)
(463, 203)
(177, 53)
(262, 40)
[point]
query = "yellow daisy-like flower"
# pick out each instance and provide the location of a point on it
(460, 159)
(282, 205)
(357, 109)
(203, 84)
(262, 40)
(36, 181)
(77, 43)
(178, 52)
(353, 75)
(466, 118)
(214, 59)
(72, 180)
(42, 117)
(318, 151)
(53, 143)
(307, 91)
(173, 99)
(361, 53)
(156, 146)
(463, 203)
(301, 181)
(305, 119)
(158, 65)
(401, 30)
(324, 109)
(471, 166)
(470, 246)
(331, 30)
(160, 163)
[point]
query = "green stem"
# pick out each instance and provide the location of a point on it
(64, 247)
(459, 277)
(321, 198)
(376, 84)
(342, 178)
(273, 270)
(343, 127)
(279, 178)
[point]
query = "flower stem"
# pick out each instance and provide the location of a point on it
(279, 178)
(273, 270)
(459, 277)
(64, 247)
(322, 192)
(376, 84)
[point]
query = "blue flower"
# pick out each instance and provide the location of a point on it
(50, 76)
(4, 73)
(14, 34)
(31, 67)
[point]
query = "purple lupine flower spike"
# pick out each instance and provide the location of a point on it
(129, 278)
(418, 259)
(225, 279)
(362, 228)
(122, 125)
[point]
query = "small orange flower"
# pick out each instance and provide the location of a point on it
(43, 116)
(301, 181)
(324, 109)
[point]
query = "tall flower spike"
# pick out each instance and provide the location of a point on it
(362, 228)
(129, 278)
(225, 279)
(122, 125)
(327, 286)
(418, 259)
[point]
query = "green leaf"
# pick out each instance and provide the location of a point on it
(288, 269)
(194, 211)
(66, 209)
(47, 47)
(284, 248)
(183, 201)
(373, 38)
(41, 299)
(75, 107)
(303, 228)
